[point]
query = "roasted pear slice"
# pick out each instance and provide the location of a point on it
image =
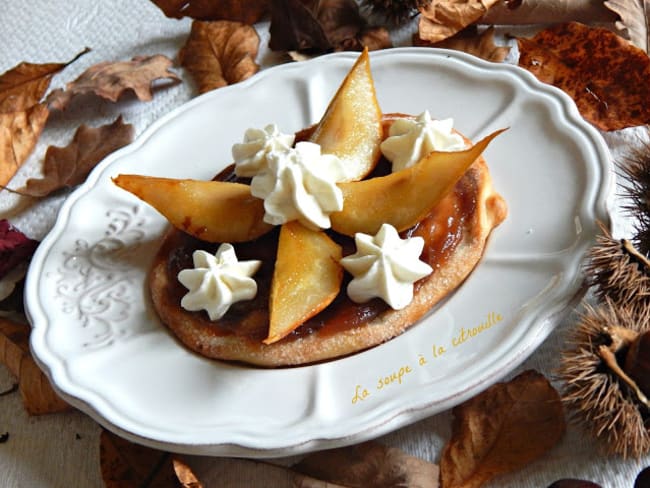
(213, 211)
(306, 279)
(351, 126)
(403, 198)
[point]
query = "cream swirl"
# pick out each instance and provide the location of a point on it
(300, 184)
(250, 155)
(217, 281)
(385, 266)
(409, 140)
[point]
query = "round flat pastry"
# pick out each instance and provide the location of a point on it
(455, 233)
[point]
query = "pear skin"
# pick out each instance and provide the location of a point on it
(306, 279)
(213, 211)
(405, 197)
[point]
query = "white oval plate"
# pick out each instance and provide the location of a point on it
(99, 341)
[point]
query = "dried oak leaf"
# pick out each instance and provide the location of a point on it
(24, 85)
(127, 465)
(319, 26)
(110, 80)
(220, 53)
(69, 166)
(442, 19)
(248, 12)
(35, 389)
(19, 132)
(634, 20)
(606, 76)
(502, 429)
(366, 464)
(480, 45)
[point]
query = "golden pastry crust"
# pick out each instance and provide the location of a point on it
(477, 209)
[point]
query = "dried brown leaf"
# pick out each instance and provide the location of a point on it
(480, 45)
(366, 464)
(315, 27)
(220, 53)
(502, 429)
(248, 12)
(68, 166)
(110, 80)
(605, 75)
(185, 475)
(35, 389)
(19, 132)
(127, 465)
(442, 19)
(294, 27)
(24, 85)
(634, 20)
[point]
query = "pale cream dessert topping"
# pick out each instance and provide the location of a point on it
(409, 140)
(250, 155)
(385, 266)
(217, 281)
(300, 184)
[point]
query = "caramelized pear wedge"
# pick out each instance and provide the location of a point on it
(351, 126)
(403, 198)
(213, 211)
(306, 279)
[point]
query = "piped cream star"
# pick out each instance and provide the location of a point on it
(385, 266)
(217, 281)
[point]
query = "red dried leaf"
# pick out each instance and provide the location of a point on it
(19, 132)
(69, 166)
(367, 464)
(15, 247)
(35, 389)
(24, 85)
(248, 12)
(110, 80)
(605, 75)
(220, 53)
(127, 465)
(502, 429)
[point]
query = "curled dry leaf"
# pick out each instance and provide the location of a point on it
(127, 465)
(185, 475)
(366, 464)
(110, 80)
(442, 19)
(480, 45)
(605, 75)
(69, 166)
(22, 117)
(19, 132)
(35, 389)
(24, 85)
(248, 12)
(634, 20)
(319, 26)
(502, 429)
(220, 53)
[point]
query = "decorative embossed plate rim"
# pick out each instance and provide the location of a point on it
(98, 340)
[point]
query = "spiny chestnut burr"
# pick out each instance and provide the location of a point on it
(637, 362)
